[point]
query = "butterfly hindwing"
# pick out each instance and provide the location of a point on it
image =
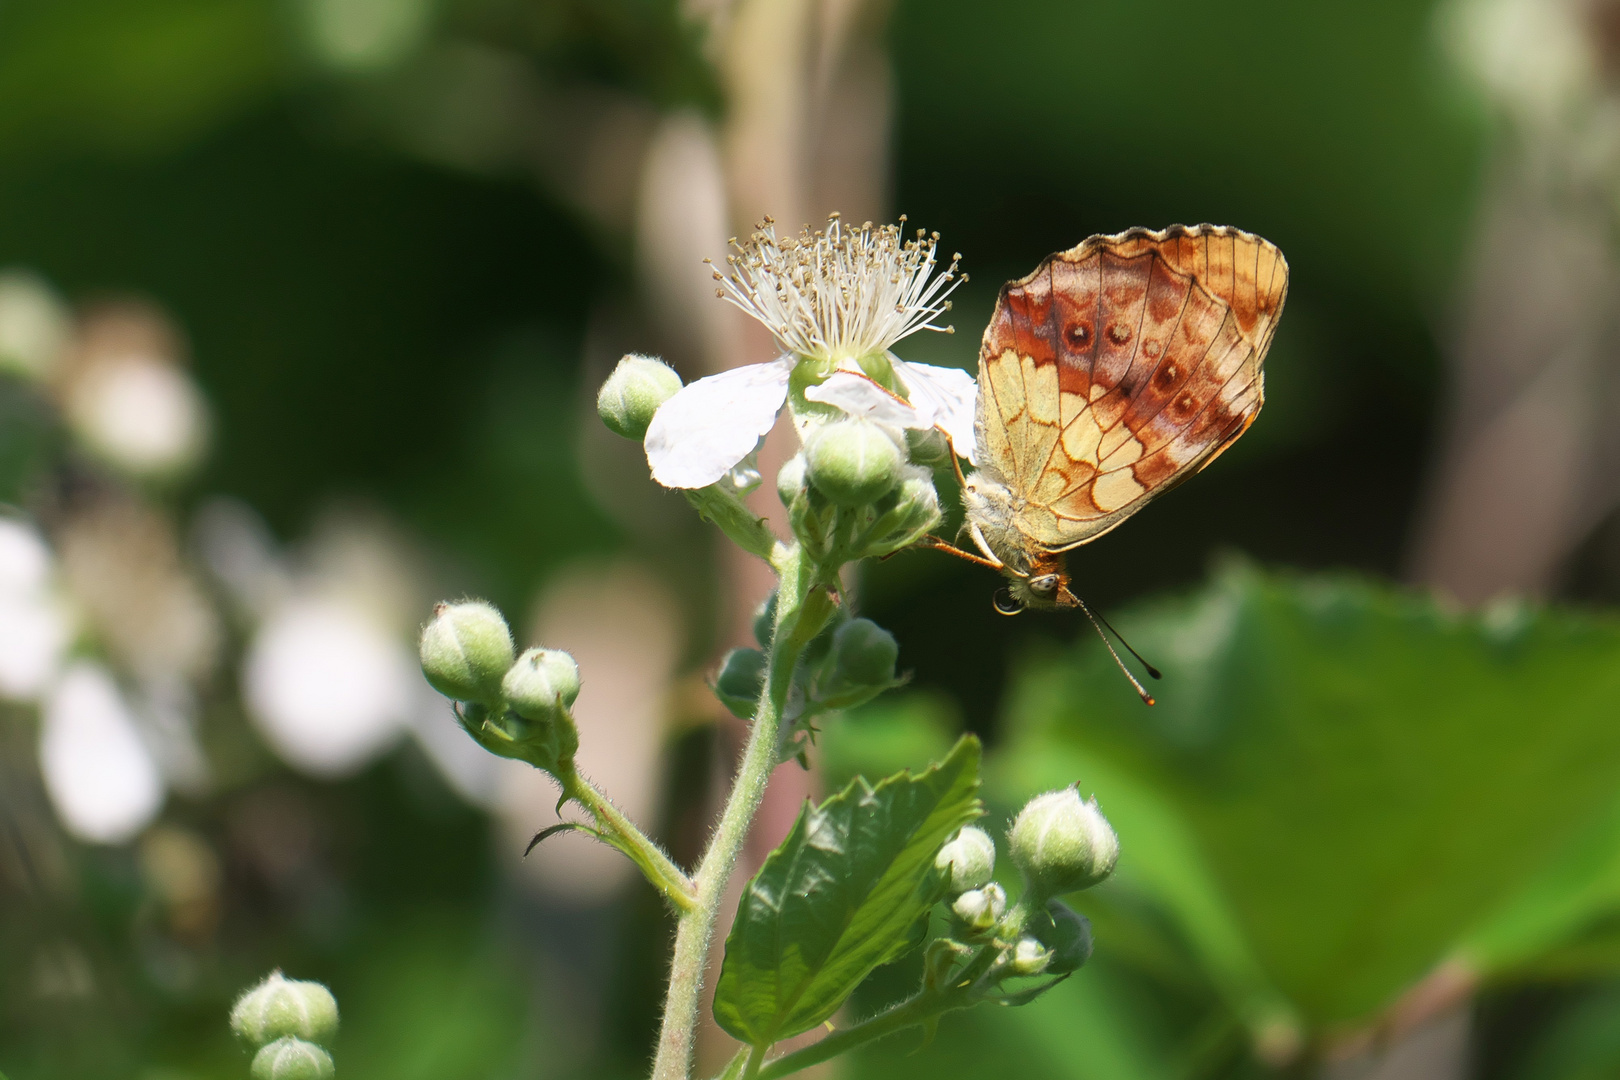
(1122, 366)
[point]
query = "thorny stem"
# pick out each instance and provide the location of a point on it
(658, 868)
(803, 607)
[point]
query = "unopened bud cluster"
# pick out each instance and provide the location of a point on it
(286, 1021)
(852, 495)
(1059, 843)
(848, 663)
(517, 707)
(965, 866)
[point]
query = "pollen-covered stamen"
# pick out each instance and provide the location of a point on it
(841, 293)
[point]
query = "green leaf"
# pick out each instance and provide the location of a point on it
(1372, 782)
(842, 895)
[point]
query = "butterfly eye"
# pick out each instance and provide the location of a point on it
(1079, 334)
(1043, 584)
(1006, 604)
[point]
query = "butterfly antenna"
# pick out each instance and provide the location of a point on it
(1147, 698)
(1151, 670)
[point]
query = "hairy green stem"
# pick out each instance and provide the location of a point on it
(910, 1013)
(656, 866)
(913, 1012)
(803, 607)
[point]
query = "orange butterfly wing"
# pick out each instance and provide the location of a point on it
(1121, 367)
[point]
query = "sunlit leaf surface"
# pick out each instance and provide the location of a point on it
(842, 894)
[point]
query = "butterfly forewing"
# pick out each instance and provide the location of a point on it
(1121, 367)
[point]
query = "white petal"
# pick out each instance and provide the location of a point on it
(327, 688)
(699, 434)
(100, 775)
(862, 397)
(951, 393)
(940, 397)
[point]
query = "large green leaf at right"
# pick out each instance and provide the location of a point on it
(1364, 782)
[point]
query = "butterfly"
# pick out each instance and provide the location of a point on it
(1112, 373)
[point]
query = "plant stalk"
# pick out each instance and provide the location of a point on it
(654, 864)
(912, 1013)
(803, 607)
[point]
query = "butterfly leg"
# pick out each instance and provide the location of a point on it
(937, 544)
(956, 465)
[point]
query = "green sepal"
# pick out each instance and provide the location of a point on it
(1024, 997)
(723, 507)
(939, 961)
(548, 745)
(843, 894)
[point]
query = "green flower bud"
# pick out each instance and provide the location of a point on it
(465, 650)
(280, 1007)
(1062, 843)
(742, 676)
(292, 1059)
(1029, 957)
(856, 661)
(852, 462)
(635, 390)
(790, 480)
(981, 909)
(967, 861)
(864, 653)
(914, 510)
(1067, 933)
(928, 447)
(765, 621)
(541, 684)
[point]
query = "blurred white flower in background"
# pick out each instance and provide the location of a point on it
(35, 325)
(328, 686)
(122, 565)
(102, 779)
(35, 627)
(139, 413)
(128, 397)
(1534, 56)
(330, 677)
(121, 561)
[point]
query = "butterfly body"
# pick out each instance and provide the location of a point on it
(1113, 372)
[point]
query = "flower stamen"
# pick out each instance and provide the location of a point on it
(840, 293)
